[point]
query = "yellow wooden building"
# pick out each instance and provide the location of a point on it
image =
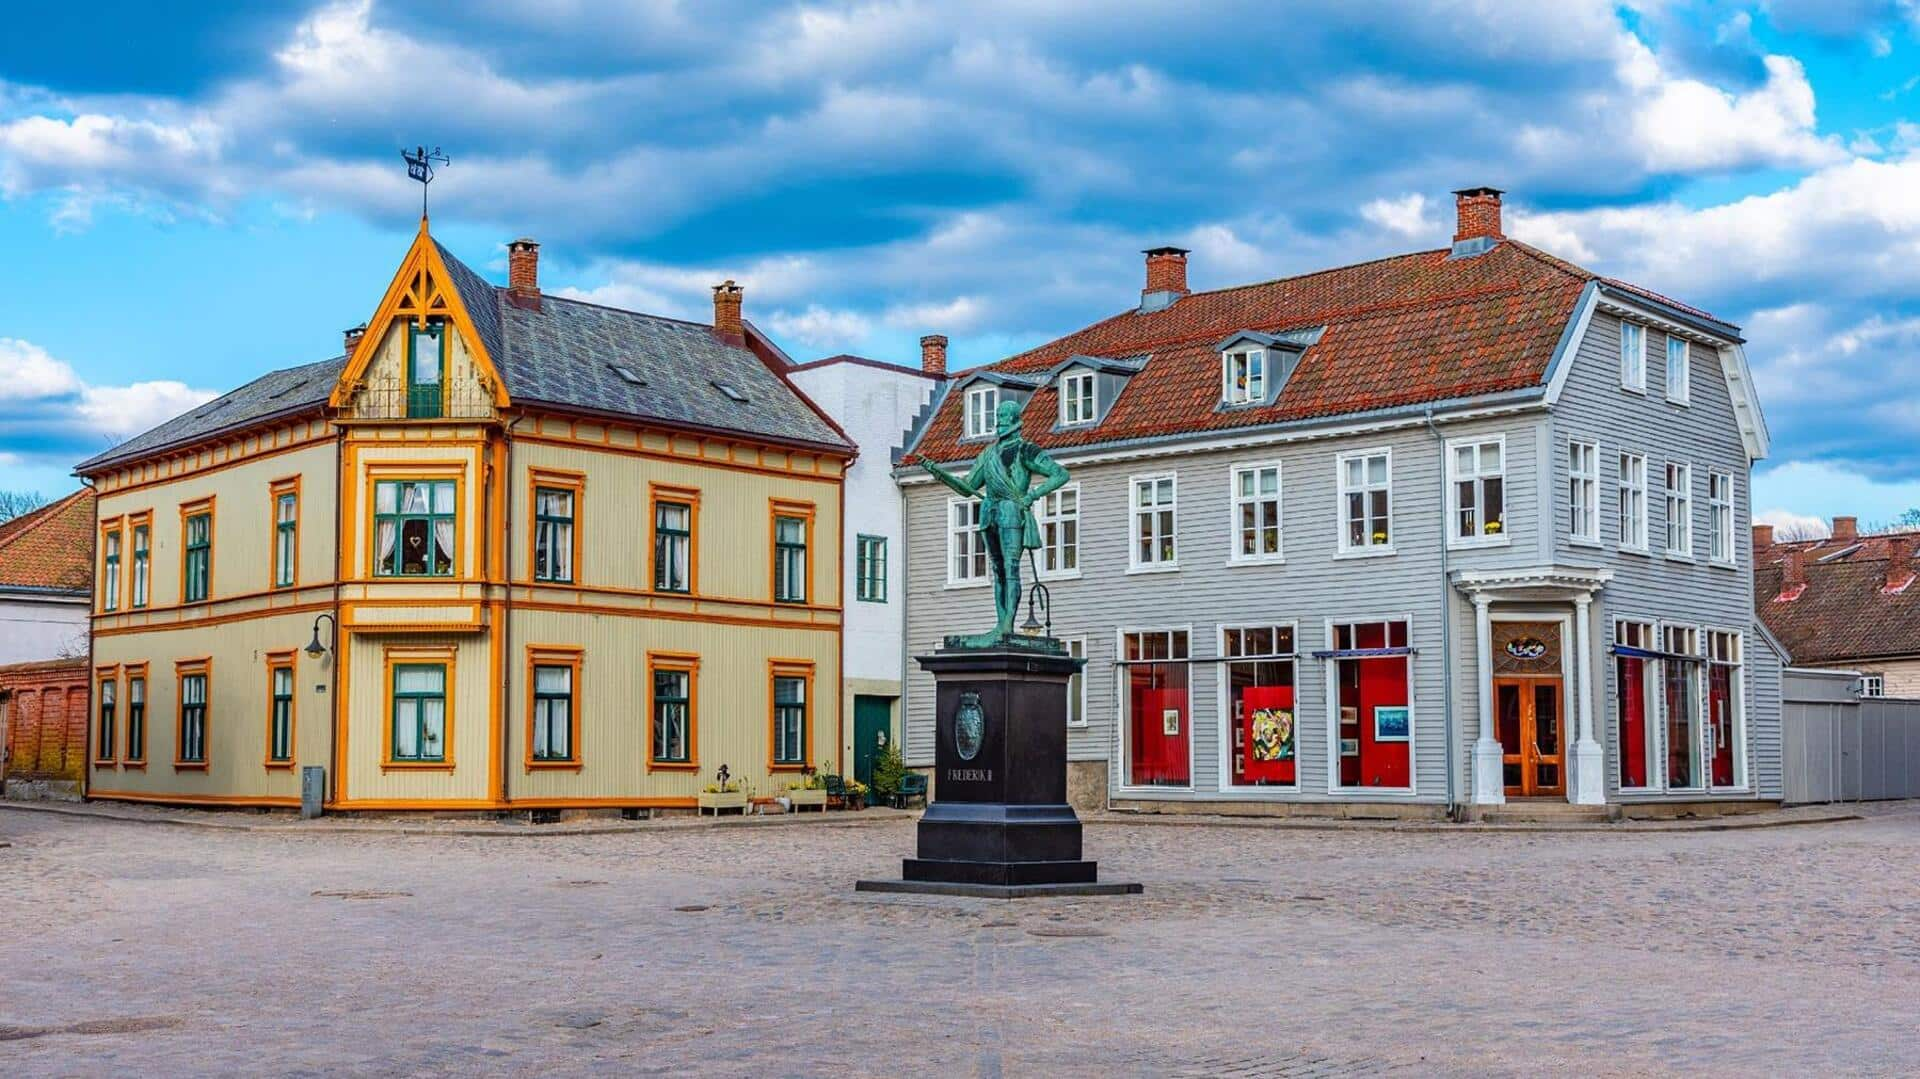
(511, 551)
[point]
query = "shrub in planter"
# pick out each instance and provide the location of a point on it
(889, 768)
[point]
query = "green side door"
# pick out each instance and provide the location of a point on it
(872, 726)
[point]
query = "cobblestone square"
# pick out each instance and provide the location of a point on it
(147, 949)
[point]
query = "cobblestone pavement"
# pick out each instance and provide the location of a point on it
(149, 950)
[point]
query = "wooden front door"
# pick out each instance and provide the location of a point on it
(1532, 728)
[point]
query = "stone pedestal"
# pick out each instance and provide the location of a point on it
(1000, 824)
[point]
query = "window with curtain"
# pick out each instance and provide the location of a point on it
(286, 524)
(142, 563)
(673, 546)
(789, 720)
(553, 712)
(110, 571)
(136, 719)
(552, 534)
(104, 736)
(420, 712)
(413, 528)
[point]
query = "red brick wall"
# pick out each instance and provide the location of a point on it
(46, 708)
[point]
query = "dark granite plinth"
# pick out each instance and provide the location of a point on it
(1000, 824)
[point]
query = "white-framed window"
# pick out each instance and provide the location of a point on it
(1077, 683)
(1680, 669)
(1720, 515)
(1259, 677)
(1154, 514)
(1636, 707)
(1076, 398)
(1058, 516)
(1256, 513)
(1633, 501)
(1369, 681)
(1476, 491)
(1679, 369)
(1156, 739)
(1726, 710)
(1873, 685)
(966, 547)
(1243, 376)
(1633, 357)
(1366, 502)
(981, 402)
(1583, 491)
(1679, 484)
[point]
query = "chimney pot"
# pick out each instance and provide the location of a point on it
(1846, 529)
(523, 273)
(1762, 537)
(933, 354)
(1166, 277)
(353, 336)
(1478, 213)
(1793, 571)
(726, 312)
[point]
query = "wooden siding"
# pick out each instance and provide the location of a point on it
(382, 394)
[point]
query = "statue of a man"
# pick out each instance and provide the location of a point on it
(1000, 477)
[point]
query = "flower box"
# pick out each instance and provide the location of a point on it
(722, 800)
(807, 797)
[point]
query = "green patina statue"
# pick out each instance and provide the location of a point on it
(1001, 477)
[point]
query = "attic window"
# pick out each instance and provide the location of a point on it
(288, 388)
(626, 373)
(981, 403)
(1243, 376)
(733, 393)
(1077, 398)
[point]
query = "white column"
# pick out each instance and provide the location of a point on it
(1589, 765)
(1489, 778)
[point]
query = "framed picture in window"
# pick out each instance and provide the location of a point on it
(1349, 747)
(1170, 722)
(1390, 723)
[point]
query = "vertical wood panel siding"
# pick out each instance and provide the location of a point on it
(470, 691)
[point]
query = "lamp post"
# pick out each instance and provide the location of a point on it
(313, 780)
(315, 649)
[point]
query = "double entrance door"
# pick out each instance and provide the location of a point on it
(1527, 713)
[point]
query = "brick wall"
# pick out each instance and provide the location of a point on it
(45, 713)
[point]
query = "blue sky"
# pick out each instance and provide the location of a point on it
(196, 198)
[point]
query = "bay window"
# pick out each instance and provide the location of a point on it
(1158, 740)
(1476, 485)
(1260, 670)
(1373, 704)
(413, 528)
(1256, 513)
(1366, 502)
(1153, 510)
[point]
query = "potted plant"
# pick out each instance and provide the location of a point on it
(724, 793)
(856, 794)
(809, 790)
(889, 768)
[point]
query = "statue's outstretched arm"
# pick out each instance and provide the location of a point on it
(958, 485)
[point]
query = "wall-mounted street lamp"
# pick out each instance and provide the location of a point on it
(316, 648)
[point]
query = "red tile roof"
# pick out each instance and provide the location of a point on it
(52, 547)
(1400, 331)
(1844, 613)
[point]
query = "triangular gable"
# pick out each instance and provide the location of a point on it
(423, 287)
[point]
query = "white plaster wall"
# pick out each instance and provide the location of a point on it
(35, 629)
(875, 407)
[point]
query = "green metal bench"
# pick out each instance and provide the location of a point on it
(912, 785)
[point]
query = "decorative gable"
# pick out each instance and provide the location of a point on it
(422, 356)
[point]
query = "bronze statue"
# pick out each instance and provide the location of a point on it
(1000, 478)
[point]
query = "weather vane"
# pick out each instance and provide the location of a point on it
(420, 162)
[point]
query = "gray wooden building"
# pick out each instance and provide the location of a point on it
(1433, 532)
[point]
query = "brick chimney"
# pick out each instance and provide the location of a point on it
(1899, 562)
(1762, 538)
(726, 313)
(1166, 278)
(1846, 529)
(1478, 211)
(1793, 575)
(523, 273)
(933, 355)
(353, 336)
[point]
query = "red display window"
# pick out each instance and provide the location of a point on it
(1373, 702)
(1723, 708)
(1159, 736)
(1632, 689)
(1260, 674)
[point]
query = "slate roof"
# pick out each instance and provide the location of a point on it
(1405, 330)
(1845, 614)
(51, 548)
(559, 355)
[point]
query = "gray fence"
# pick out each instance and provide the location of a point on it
(1840, 747)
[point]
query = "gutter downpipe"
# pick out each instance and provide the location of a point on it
(506, 618)
(93, 680)
(1454, 809)
(334, 703)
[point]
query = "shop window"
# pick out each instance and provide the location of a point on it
(553, 545)
(1476, 475)
(1726, 731)
(1366, 502)
(1373, 704)
(1633, 501)
(1634, 659)
(1058, 515)
(1076, 398)
(1256, 513)
(280, 710)
(1681, 676)
(870, 569)
(413, 528)
(1583, 491)
(981, 403)
(966, 545)
(1158, 736)
(420, 712)
(1155, 514)
(1260, 671)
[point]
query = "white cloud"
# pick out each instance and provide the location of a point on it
(1686, 125)
(1406, 215)
(27, 371)
(48, 411)
(1809, 492)
(821, 328)
(1788, 525)
(123, 411)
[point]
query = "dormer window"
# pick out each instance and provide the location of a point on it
(1076, 398)
(981, 403)
(1243, 376)
(426, 360)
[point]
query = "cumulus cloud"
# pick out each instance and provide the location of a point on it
(55, 417)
